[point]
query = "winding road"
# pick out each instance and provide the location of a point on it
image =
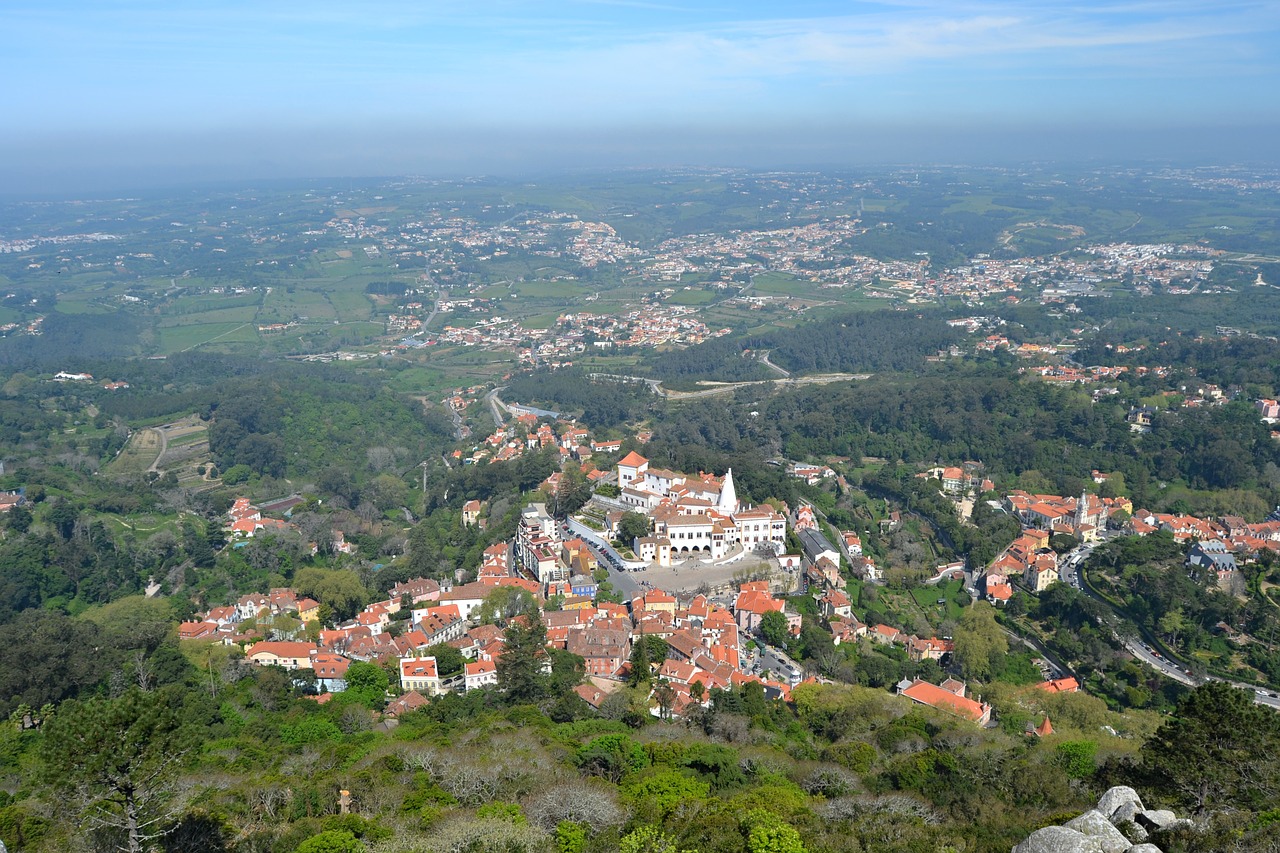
(1176, 670)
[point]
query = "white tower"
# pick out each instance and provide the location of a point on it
(728, 501)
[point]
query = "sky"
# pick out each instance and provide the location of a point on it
(118, 90)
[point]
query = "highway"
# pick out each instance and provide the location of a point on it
(496, 406)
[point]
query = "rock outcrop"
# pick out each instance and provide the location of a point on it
(1120, 824)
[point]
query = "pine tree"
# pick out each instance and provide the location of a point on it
(520, 666)
(640, 672)
(121, 756)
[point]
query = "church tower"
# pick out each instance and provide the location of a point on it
(1082, 509)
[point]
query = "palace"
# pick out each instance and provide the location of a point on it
(694, 515)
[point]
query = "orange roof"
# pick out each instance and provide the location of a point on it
(934, 696)
(633, 460)
(481, 667)
(282, 649)
(418, 667)
(1060, 685)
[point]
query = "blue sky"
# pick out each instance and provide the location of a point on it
(370, 87)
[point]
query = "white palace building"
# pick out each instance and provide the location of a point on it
(694, 515)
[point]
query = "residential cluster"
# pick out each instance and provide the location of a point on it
(1029, 558)
(27, 244)
(245, 520)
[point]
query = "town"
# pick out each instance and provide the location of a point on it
(718, 629)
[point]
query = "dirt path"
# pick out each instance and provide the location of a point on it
(164, 445)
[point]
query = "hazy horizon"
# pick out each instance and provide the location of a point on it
(121, 94)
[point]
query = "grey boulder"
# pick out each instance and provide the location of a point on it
(1125, 813)
(1156, 818)
(1059, 839)
(1095, 825)
(1118, 796)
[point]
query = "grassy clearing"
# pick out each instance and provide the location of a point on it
(692, 297)
(192, 437)
(771, 284)
(144, 527)
(951, 593)
(421, 380)
(541, 321)
(180, 338)
(243, 314)
(552, 290)
(203, 304)
(138, 455)
(282, 305)
(351, 305)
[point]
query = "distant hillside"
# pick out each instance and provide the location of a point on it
(860, 342)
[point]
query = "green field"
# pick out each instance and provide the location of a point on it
(692, 297)
(181, 338)
(350, 304)
(780, 284)
(243, 314)
(552, 290)
(281, 306)
(138, 455)
(189, 438)
(421, 380)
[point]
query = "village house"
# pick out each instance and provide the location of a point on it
(440, 624)
(330, 671)
(698, 515)
(420, 674)
(308, 609)
(404, 704)
(919, 649)
(203, 630)
(480, 673)
(537, 545)
(289, 655)
(604, 650)
(949, 696)
(417, 590)
(466, 598)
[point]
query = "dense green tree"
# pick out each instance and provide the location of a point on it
(520, 664)
(63, 517)
(19, 519)
(339, 588)
(332, 841)
(505, 603)
(42, 658)
(1213, 752)
(449, 661)
(979, 641)
(367, 683)
(773, 628)
(631, 526)
(572, 492)
(768, 833)
(567, 672)
(121, 757)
